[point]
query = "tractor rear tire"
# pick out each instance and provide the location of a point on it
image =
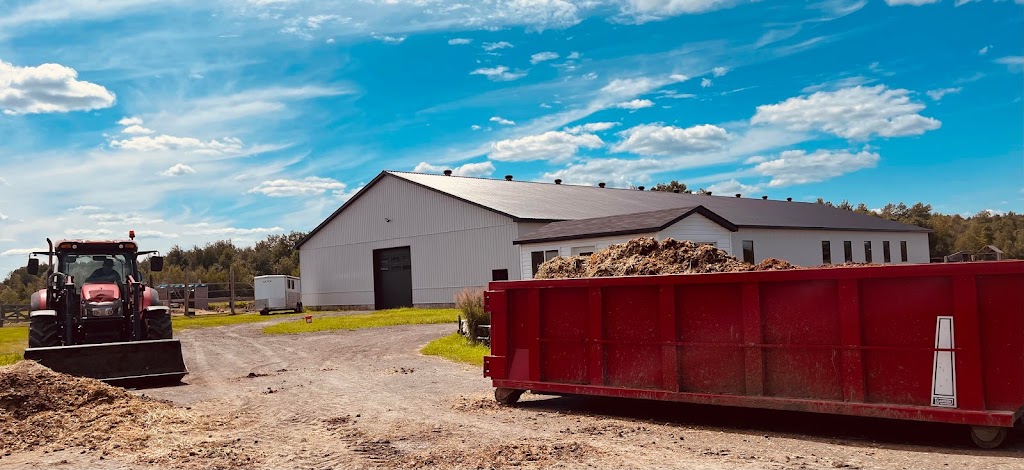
(159, 327)
(43, 332)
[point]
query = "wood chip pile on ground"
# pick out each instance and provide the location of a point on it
(648, 257)
(43, 410)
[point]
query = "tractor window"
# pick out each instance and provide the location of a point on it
(92, 268)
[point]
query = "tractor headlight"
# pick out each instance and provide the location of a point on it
(105, 309)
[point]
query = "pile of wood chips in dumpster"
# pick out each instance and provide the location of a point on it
(43, 410)
(648, 257)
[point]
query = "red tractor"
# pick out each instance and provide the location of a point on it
(97, 319)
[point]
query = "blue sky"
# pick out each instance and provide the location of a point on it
(191, 121)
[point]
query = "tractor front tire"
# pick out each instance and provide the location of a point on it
(159, 327)
(43, 332)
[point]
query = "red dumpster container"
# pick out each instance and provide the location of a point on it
(940, 342)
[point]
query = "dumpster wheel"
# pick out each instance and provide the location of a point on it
(507, 396)
(988, 437)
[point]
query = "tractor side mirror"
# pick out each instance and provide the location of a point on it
(33, 266)
(156, 263)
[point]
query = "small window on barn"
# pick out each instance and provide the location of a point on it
(536, 259)
(499, 274)
(848, 251)
(903, 251)
(867, 252)
(826, 252)
(748, 251)
(550, 255)
(582, 250)
(886, 254)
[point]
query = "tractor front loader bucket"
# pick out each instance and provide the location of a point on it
(142, 362)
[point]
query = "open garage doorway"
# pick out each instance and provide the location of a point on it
(392, 278)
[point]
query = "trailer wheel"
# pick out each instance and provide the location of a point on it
(159, 327)
(265, 311)
(988, 437)
(43, 332)
(298, 307)
(507, 396)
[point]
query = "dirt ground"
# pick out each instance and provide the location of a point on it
(366, 398)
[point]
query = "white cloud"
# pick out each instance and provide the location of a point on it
(309, 186)
(591, 127)
(241, 231)
(551, 146)
(469, 169)
(938, 94)
(502, 121)
(130, 121)
(475, 127)
(136, 129)
(705, 83)
(1013, 62)
(20, 251)
(574, 55)
(655, 139)
(178, 170)
(144, 234)
(48, 88)
(799, 167)
(642, 11)
(498, 74)
(846, 82)
(635, 104)
(732, 187)
(493, 46)
(590, 76)
(315, 21)
(543, 56)
(459, 41)
(915, 3)
(719, 71)
(88, 233)
(85, 209)
(984, 50)
(160, 143)
(615, 172)
(330, 41)
(389, 39)
(852, 113)
(122, 219)
(3, 216)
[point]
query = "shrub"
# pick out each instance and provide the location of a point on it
(471, 302)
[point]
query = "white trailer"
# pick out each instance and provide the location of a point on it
(277, 292)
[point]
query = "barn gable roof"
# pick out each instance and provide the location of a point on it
(525, 201)
(615, 225)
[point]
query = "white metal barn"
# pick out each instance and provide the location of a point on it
(417, 239)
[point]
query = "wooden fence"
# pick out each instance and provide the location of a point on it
(13, 313)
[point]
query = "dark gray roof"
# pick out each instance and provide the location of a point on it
(523, 200)
(546, 202)
(625, 224)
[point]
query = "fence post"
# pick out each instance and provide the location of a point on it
(186, 297)
(2, 314)
(231, 277)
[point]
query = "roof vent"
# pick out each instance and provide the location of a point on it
(764, 197)
(558, 181)
(447, 172)
(709, 193)
(600, 185)
(676, 190)
(508, 177)
(789, 199)
(738, 195)
(639, 188)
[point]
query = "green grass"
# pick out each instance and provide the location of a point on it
(456, 347)
(13, 341)
(400, 316)
(223, 319)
